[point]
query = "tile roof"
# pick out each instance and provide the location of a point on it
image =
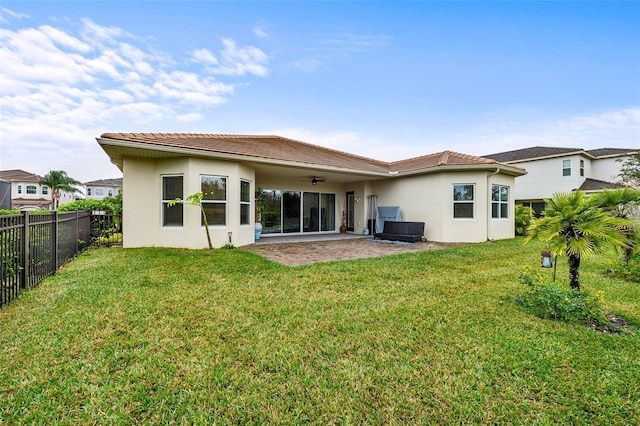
(17, 175)
(106, 182)
(531, 153)
(605, 152)
(445, 158)
(598, 185)
(284, 149)
(256, 146)
(548, 151)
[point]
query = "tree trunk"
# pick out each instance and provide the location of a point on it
(574, 266)
(206, 226)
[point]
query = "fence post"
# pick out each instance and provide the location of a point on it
(54, 242)
(24, 272)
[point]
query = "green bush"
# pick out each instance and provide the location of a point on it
(555, 301)
(87, 205)
(523, 217)
(629, 271)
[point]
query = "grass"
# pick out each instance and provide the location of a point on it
(153, 335)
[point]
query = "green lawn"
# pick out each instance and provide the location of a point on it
(162, 336)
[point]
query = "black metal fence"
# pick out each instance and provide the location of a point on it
(34, 246)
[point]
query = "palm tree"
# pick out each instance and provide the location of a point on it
(58, 180)
(575, 226)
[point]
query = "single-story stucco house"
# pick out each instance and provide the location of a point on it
(302, 189)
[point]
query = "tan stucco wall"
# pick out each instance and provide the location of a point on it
(142, 194)
(429, 199)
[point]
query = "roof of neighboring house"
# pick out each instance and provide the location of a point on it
(278, 149)
(598, 185)
(539, 152)
(105, 182)
(608, 152)
(17, 175)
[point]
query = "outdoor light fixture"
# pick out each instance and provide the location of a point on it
(314, 181)
(229, 233)
(546, 259)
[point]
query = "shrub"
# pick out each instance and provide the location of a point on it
(629, 271)
(554, 301)
(523, 217)
(85, 205)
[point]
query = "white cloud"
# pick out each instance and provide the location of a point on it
(260, 30)
(189, 118)
(204, 56)
(606, 129)
(60, 87)
(341, 140)
(12, 14)
(241, 60)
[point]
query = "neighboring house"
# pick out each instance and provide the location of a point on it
(5, 195)
(102, 188)
(28, 194)
(551, 170)
(307, 189)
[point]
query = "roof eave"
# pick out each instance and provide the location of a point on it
(547, 157)
(190, 152)
(502, 168)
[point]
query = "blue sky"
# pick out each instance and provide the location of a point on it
(387, 80)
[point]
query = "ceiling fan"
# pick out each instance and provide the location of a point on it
(315, 179)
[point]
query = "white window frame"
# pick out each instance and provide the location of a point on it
(499, 202)
(99, 192)
(245, 203)
(581, 167)
(224, 202)
(32, 188)
(471, 201)
(88, 191)
(166, 201)
(566, 171)
(45, 190)
(19, 189)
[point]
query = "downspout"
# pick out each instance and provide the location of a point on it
(490, 202)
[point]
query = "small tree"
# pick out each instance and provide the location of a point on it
(58, 180)
(574, 225)
(523, 217)
(630, 170)
(622, 203)
(196, 200)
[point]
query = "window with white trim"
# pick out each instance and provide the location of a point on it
(172, 188)
(99, 192)
(32, 189)
(214, 199)
(19, 189)
(581, 167)
(245, 202)
(110, 192)
(88, 191)
(499, 202)
(463, 201)
(45, 190)
(566, 167)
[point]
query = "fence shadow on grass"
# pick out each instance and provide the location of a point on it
(34, 245)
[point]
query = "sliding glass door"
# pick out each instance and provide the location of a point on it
(296, 211)
(291, 211)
